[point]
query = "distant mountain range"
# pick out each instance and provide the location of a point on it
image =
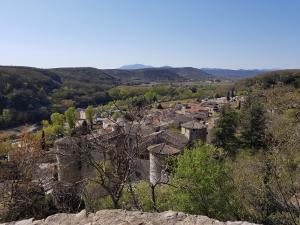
(193, 73)
(135, 67)
(159, 74)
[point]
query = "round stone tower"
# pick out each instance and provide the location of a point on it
(158, 153)
(69, 164)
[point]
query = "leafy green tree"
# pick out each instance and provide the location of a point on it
(57, 124)
(114, 93)
(185, 93)
(57, 119)
(54, 129)
(253, 125)
(89, 113)
(202, 183)
(45, 123)
(224, 133)
(164, 89)
(70, 115)
(125, 92)
(116, 115)
(137, 101)
(151, 96)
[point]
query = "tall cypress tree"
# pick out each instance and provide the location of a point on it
(253, 125)
(225, 130)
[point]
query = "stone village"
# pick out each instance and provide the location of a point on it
(190, 122)
(162, 133)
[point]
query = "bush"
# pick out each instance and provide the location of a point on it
(142, 191)
(26, 200)
(203, 185)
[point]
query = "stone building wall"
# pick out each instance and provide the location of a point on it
(194, 134)
(198, 134)
(69, 163)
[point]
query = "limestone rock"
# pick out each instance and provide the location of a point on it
(121, 217)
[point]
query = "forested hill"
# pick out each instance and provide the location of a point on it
(273, 78)
(161, 74)
(279, 90)
(192, 73)
(233, 74)
(87, 75)
(145, 75)
(31, 94)
(24, 94)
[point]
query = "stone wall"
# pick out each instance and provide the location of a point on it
(121, 217)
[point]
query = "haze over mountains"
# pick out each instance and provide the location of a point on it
(134, 67)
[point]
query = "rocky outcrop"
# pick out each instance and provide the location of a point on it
(121, 217)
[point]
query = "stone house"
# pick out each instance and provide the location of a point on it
(194, 130)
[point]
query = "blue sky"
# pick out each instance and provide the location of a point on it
(110, 33)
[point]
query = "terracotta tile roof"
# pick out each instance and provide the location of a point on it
(163, 149)
(176, 140)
